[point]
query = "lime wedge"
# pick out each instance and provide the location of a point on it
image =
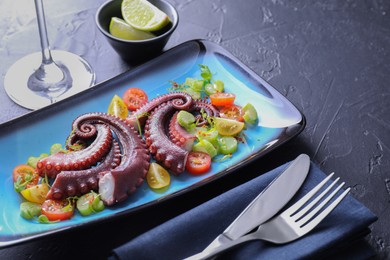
(119, 28)
(228, 127)
(143, 16)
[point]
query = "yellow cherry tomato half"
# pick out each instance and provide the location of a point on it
(228, 127)
(118, 107)
(36, 193)
(157, 177)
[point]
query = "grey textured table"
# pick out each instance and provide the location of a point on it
(329, 58)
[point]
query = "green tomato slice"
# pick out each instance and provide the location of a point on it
(185, 119)
(250, 114)
(210, 88)
(227, 145)
(209, 135)
(219, 86)
(198, 85)
(84, 204)
(55, 148)
(89, 203)
(195, 84)
(194, 94)
(29, 210)
(97, 204)
(206, 147)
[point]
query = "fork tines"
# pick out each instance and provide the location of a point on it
(308, 220)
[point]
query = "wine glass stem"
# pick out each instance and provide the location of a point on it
(50, 78)
(46, 54)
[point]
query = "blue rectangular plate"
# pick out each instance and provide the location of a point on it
(33, 134)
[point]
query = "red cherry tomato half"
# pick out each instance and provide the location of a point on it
(25, 175)
(134, 98)
(222, 99)
(57, 209)
(232, 112)
(198, 163)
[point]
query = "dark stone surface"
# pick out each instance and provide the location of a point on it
(329, 58)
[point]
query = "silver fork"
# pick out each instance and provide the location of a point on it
(291, 224)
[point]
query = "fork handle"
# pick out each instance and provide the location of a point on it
(208, 253)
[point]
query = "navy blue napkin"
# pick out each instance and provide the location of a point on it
(192, 231)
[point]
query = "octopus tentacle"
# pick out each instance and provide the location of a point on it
(182, 101)
(165, 151)
(78, 160)
(76, 183)
(179, 135)
(204, 107)
(115, 185)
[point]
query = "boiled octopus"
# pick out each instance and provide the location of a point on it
(200, 107)
(76, 183)
(114, 158)
(160, 145)
(114, 162)
(138, 118)
(167, 141)
(116, 184)
(179, 135)
(78, 160)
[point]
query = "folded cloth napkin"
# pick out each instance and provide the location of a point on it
(192, 231)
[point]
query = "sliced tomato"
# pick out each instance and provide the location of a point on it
(134, 98)
(36, 193)
(222, 99)
(57, 209)
(198, 163)
(232, 112)
(24, 177)
(118, 107)
(157, 176)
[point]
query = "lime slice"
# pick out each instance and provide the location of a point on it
(227, 144)
(228, 127)
(119, 28)
(143, 16)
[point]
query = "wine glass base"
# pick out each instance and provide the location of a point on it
(15, 81)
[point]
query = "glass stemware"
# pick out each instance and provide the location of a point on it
(42, 78)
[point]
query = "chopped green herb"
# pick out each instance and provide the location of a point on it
(44, 220)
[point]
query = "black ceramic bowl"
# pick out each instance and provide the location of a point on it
(135, 52)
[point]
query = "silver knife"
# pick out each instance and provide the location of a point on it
(268, 202)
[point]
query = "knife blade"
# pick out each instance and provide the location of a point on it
(268, 202)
